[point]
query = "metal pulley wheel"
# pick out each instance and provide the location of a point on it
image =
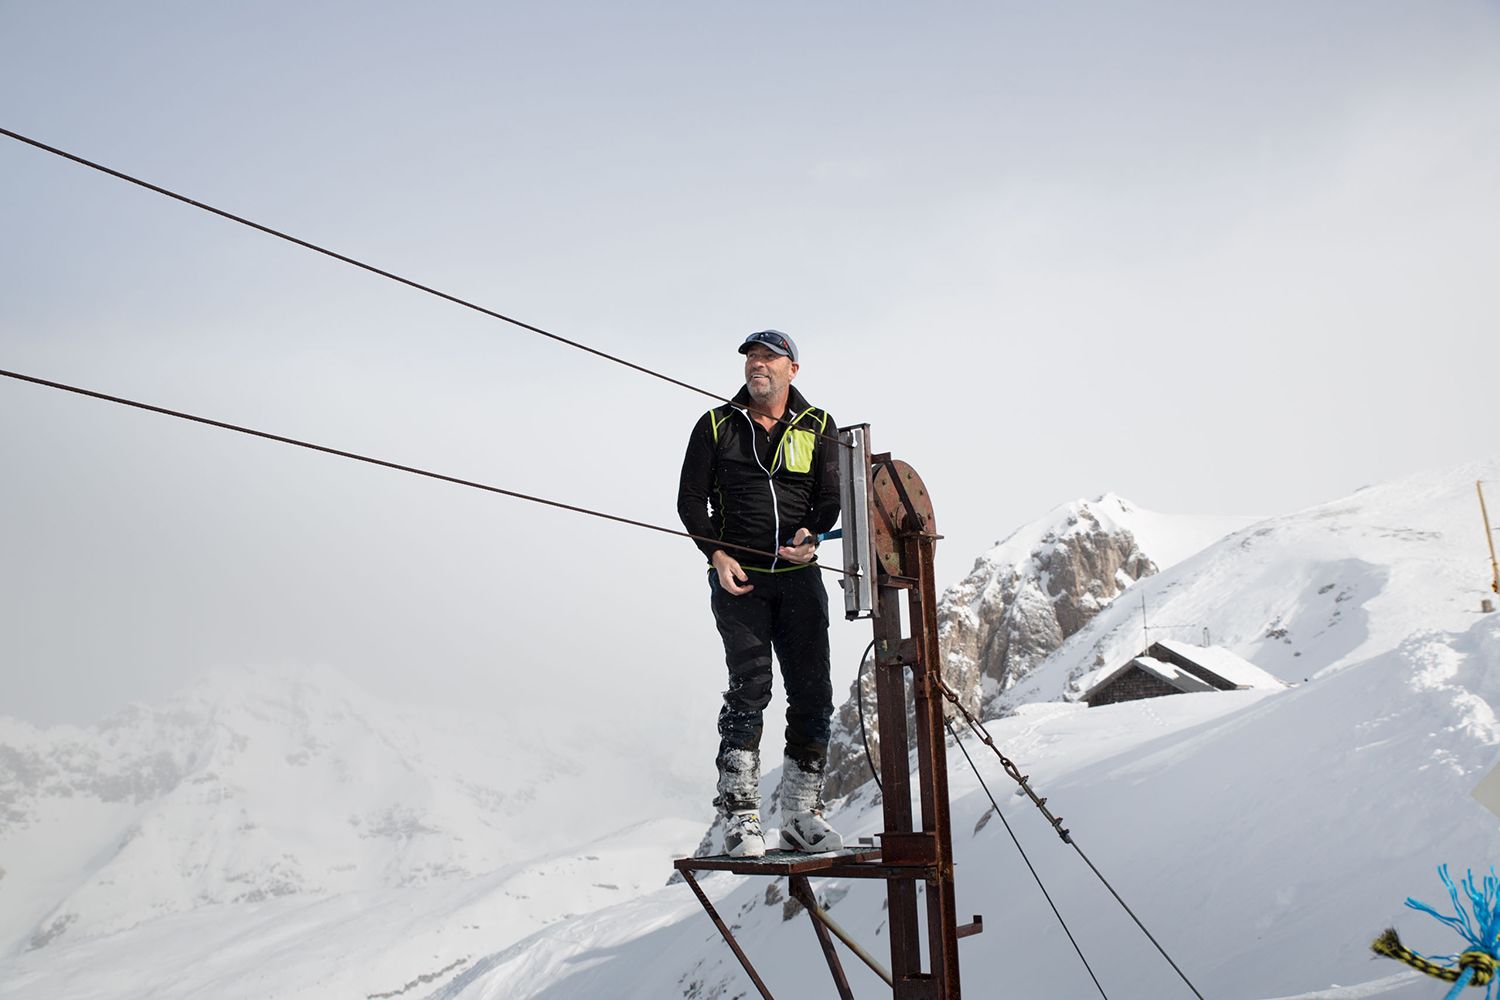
(902, 507)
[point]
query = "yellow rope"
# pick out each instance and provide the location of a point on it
(1484, 965)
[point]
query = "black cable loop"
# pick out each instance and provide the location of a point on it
(859, 702)
(387, 274)
(394, 465)
(1056, 821)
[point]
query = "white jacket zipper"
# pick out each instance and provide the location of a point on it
(770, 485)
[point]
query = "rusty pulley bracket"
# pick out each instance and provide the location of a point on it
(901, 507)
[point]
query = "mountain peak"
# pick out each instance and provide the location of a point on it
(1028, 594)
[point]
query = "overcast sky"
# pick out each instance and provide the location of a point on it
(1215, 257)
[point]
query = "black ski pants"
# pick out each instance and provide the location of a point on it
(786, 612)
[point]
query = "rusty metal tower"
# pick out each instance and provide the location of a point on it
(890, 534)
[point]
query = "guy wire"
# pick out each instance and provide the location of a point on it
(382, 272)
(859, 703)
(282, 439)
(1041, 803)
(1014, 840)
(859, 696)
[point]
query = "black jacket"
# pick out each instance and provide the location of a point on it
(748, 487)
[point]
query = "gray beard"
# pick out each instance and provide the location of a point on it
(763, 396)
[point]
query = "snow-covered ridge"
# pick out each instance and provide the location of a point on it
(381, 943)
(1265, 836)
(261, 785)
(1166, 538)
(1306, 592)
(1029, 593)
(1049, 578)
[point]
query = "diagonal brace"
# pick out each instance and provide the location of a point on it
(734, 945)
(823, 923)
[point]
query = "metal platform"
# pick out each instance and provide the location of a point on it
(859, 862)
(855, 862)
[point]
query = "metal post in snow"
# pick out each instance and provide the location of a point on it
(1489, 536)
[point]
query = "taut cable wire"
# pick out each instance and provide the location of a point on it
(1024, 781)
(1024, 857)
(310, 446)
(456, 300)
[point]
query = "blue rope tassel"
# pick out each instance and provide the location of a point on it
(1461, 982)
(1478, 963)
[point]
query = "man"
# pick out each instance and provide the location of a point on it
(761, 476)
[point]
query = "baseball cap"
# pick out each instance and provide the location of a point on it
(774, 339)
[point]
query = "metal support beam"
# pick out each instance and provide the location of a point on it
(1489, 536)
(905, 534)
(895, 779)
(932, 763)
(734, 945)
(854, 499)
(822, 924)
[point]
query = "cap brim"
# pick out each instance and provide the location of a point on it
(745, 348)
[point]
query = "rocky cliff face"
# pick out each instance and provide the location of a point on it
(1014, 608)
(1023, 598)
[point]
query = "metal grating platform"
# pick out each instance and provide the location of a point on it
(858, 859)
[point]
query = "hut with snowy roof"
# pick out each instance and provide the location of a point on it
(1169, 667)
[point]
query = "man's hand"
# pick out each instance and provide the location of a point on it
(731, 577)
(804, 544)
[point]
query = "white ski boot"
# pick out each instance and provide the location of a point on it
(802, 825)
(810, 833)
(742, 835)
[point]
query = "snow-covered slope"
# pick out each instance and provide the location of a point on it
(1305, 592)
(378, 943)
(1166, 539)
(1048, 579)
(268, 785)
(1024, 597)
(1264, 836)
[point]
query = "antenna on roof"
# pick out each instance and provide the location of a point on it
(1147, 627)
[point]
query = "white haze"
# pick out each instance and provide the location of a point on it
(1227, 259)
(241, 842)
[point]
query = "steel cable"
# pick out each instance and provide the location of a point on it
(1025, 782)
(859, 703)
(1009, 766)
(158, 189)
(1030, 867)
(282, 439)
(870, 762)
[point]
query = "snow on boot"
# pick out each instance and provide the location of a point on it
(739, 781)
(802, 825)
(742, 835)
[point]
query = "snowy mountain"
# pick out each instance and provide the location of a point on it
(1265, 837)
(1024, 597)
(262, 786)
(378, 943)
(1050, 578)
(1307, 593)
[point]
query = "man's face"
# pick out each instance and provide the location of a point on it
(767, 374)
